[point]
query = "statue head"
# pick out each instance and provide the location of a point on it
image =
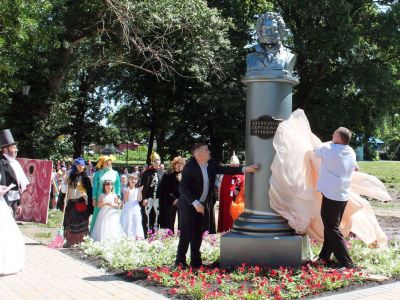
(270, 28)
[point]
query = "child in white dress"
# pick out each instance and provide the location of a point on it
(108, 224)
(131, 216)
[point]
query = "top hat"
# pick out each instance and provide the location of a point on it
(6, 138)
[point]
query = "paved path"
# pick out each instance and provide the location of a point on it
(390, 291)
(52, 275)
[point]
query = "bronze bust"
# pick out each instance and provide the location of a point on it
(270, 56)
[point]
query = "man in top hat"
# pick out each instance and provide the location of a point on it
(230, 187)
(11, 171)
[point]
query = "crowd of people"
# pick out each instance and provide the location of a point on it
(91, 197)
(147, 195)
(151, 198)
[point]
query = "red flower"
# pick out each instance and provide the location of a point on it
(277, 290)
(175, 274)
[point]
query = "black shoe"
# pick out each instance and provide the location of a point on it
(182, 266)
(343, 268)
(215, 264)
(352, 266)
(325, 262)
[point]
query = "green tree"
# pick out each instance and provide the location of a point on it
(345, 78)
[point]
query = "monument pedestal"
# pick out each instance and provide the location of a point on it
(260, 236)
(272, 251)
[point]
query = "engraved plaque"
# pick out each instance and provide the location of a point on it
(264, 127)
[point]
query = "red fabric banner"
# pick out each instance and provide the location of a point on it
(35, 199)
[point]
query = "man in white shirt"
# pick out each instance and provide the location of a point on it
(334, 180)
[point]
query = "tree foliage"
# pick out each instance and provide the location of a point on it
(172, 69)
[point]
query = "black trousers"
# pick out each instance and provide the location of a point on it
(152, 221)
(191, 230)
(170, 216)
(13, 205)
(331, 214)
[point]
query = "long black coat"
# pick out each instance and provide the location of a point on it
(169, 191)
(191, 188)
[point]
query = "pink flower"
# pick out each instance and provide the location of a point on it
(277, 289)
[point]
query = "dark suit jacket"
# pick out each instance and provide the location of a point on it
(169, 188)
(7, 176)
(191, 185)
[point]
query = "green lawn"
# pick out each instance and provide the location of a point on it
(387, 171)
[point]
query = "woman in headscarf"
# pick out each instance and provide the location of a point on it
(78, 203)
(104, 172)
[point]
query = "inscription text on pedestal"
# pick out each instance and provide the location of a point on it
(264, 127)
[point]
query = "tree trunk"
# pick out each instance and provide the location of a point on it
(81, 108)
(78, 148)
(216, 142)
(160, 137)
(150, 146)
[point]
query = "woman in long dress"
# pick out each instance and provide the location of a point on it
(108, 224)
(12, 244)
(131, 216)
(79, 205)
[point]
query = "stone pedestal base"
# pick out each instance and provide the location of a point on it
(273, 251)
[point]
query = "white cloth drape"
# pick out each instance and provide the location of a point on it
(293, 191)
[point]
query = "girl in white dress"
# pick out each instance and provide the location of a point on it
(108, 224)
(131, 216)
(12, 244)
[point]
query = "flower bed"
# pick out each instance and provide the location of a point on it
(252, 282)
(158, 250)
(156, 255)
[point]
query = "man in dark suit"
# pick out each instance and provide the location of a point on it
(195, 201)
(11, 171)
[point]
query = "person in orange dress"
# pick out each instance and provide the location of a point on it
(230, 187)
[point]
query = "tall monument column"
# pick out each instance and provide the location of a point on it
(260, 235)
